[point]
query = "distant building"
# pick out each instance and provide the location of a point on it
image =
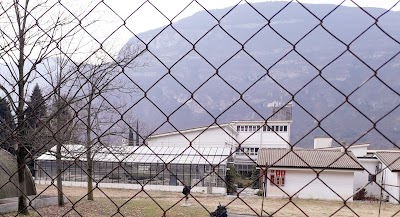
(245, 137)
(308, 173)
(131, 167)
(380, 176)
(389, 165)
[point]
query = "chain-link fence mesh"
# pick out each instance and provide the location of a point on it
(103, 120)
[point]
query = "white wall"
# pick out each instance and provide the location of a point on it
(215, 136)
(265, 139)
(214, 190)
(361, 178)
(391, 183)
(359, 151)
(320, 142)
(340, 181)
(211, 137)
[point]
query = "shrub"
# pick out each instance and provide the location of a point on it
(255, 178)
(360, 194)
(230, 178)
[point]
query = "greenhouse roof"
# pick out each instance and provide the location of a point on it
(144, 154)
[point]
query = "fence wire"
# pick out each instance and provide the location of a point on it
(69, 100)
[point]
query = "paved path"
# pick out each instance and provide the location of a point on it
(238, 215)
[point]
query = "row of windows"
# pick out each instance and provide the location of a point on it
(253, 128)
(248, 151)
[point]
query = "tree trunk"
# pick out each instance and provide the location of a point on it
(22, 203)
(60, 108)
(21, 131)
(59, 177)
(89, 161)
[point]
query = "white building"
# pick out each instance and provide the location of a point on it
(132, 167)
(245, 138)
(369, 178)
(389, 167)
(308, 173)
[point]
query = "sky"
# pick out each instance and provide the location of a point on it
(147, 17)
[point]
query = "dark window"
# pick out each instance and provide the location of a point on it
(272, 179)
(371, 178)
(285, 128)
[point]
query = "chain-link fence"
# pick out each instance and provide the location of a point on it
(255, 109)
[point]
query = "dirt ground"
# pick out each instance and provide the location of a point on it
(121, 202)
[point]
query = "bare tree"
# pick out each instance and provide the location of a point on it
(29, 34)
(99, 84)
(63, 123)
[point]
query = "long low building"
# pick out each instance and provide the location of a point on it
(158, 168)
(308, 173)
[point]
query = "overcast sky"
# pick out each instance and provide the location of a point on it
(147, 17)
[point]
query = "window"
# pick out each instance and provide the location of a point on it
(371, 178)
(246, 128)
(285, 128)
(238, 128)
(277, 177)
(281, 128)
(143, 168)
(264, 128)
(268, 128)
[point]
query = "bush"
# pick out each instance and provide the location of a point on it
(243, 182)
(231, 176)
(259, 193)
(255, 178)
(360, 195)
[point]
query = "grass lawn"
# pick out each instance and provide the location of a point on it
(119, 202)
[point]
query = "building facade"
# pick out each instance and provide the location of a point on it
(244, 137)
(308, 173)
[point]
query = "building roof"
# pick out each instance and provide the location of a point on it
(346, 146)
(390, 159)
(194, 130)
(306, 158)
(145, 154)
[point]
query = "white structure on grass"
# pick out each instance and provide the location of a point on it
(244, 138)
(389, 165)
(131, 167)
(308, 173)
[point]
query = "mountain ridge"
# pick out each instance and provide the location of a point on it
(218, 85)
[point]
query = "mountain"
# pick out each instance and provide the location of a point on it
(200, 70)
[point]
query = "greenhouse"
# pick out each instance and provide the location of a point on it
(139, 165)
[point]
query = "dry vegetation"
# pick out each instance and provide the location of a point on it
(118, 202)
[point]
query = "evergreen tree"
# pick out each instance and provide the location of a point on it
(7, 126)
(35, 114)
(37, 109)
